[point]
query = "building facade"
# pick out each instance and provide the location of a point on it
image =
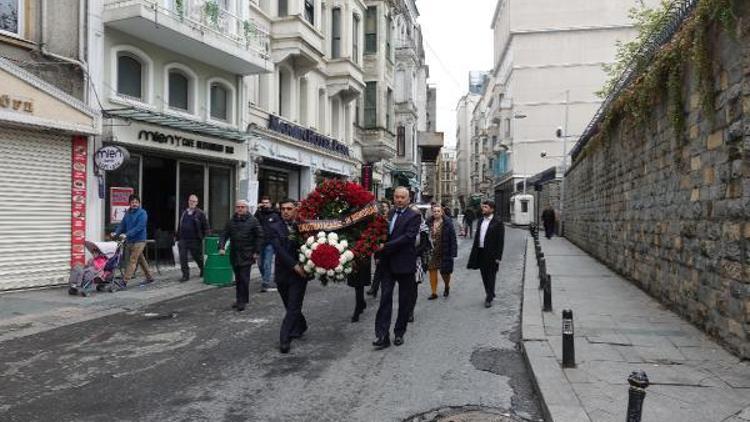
(447, 176)
(464, 148)
(45, 130)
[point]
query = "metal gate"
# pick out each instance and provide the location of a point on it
(35, 202)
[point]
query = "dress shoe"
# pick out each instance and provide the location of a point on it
(447, 291)
(372, 292)
(285, 347)
(184, 279)
(355, 318)
(240, 307)
(381, 343)
(234, 305)
(398, 341)
(432, 297)
(488, 303)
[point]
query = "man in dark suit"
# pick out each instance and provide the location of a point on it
(245, 235)
(487, 250)
(192, 228)
(399, 260)
(291, 279)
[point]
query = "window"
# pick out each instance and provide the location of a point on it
(283, 8)
(355, 39)
(388, 30)
(371, 30)
(285, 92)
(389, 109)
(336, 33)
(401, 141)
(11, 16)
(179, 88)
(524, 206)
(507, 128)
(371, 105)
(219, 102)
(129, 76)
(310, 11)
(303, 101)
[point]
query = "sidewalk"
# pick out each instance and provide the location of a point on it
(30, 312)
(619, 329)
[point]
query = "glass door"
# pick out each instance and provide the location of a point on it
(192, 181)
(220, 197)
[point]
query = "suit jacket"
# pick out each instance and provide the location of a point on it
(286, 248)
(494, 241)
(400, 251)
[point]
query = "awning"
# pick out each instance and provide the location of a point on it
(177, 122)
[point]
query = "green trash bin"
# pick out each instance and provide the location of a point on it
(217, 270)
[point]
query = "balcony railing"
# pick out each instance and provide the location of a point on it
(206, 16)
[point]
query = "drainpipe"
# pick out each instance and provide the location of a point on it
(81, 64)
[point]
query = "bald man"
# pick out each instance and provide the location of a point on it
(246, 238)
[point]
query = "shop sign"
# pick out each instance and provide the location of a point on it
(179, 141)
(118, 203)
(24, 105)
(110, 158)
(367, 176)
(306, 135)
(78, 202)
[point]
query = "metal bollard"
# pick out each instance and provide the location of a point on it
(539, 258)
(548, 294)
(542, 272)
(568, 342)
(638, 381)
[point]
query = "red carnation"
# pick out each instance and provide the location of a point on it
(325, 256)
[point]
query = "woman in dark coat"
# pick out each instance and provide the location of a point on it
(359, 278)
(444, 249)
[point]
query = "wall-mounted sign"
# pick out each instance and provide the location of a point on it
(24, 105)
(367, 176)
(306, 135)
(180, 141)
(118, 203)
(110, 157)
(78, 202)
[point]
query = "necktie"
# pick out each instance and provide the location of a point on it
(393, 220)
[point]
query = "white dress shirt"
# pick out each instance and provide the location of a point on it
(483, 229)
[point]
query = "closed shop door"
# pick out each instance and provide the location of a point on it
(34, 208)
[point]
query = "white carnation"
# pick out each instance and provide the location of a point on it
(340, 248)
(309, 267)
(321, 234)
(302, 257)
(310, 240)
(342, 260)
(304, 248)
(330, 273)
(344, 244)
(349, 255)
(333, 237)
(339, 269)
(320, 271)
(308, 254)
(314, 246)
(347, 270)
(339, 276)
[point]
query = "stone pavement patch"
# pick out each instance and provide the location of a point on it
(468, 413)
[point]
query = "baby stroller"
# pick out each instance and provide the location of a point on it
(99, 271)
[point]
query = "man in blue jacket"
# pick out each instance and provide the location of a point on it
(133, 230)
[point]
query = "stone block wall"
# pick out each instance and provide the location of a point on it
(672, 213)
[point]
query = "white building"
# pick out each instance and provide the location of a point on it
(465, 162)
(548, 58)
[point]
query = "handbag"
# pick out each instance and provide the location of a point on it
(175, 253)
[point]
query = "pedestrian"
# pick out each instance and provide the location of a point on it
(423, 247)
(245, 235)
(548, 219)
(468, 222)
(132, 230)
(267, 215)
(359, 278)
(487, 250)
(444, 250)
(291, 278)
(385, 207)
(399, 256)
(192, 228)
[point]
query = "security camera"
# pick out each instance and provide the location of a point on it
(559, 132)
(543, 154)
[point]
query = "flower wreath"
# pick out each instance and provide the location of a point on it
(340, 226)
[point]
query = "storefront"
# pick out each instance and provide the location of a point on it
(166, 165)
(43, 154)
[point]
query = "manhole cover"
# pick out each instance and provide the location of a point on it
(477, 416)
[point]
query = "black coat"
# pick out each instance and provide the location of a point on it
(548, 217)
(246, 237)
(448, 243)
(494, 241)
(400, 252)
(267, 217)
(362, 274)
(196, 225)
(286, 246)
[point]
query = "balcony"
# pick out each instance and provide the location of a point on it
(377, 144)
(430, 144)
(198, 29)
(296, 40)
(345, 79)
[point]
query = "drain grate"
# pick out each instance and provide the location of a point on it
(469, 413)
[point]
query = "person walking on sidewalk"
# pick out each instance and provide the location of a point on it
(444, 249)
(246, 237)
(132, 229)
(399, 258)
(191, 230)
(267, 215)
(548, 219)
(487, 250)
(468, 222)
(291, 278)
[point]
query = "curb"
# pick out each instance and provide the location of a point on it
(558, 399)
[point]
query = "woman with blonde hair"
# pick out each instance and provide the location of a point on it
(444, 249)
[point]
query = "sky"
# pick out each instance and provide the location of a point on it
(456, 40)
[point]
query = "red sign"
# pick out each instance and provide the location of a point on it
(118, 203)
(367, 176)
(78, 201)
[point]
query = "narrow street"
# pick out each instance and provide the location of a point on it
(209, 363)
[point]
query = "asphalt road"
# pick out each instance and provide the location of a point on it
(209, 363)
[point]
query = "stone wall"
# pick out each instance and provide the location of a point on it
(672, 213)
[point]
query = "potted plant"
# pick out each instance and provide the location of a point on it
(211, 9)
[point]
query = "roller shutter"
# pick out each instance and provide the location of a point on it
(34, 208)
